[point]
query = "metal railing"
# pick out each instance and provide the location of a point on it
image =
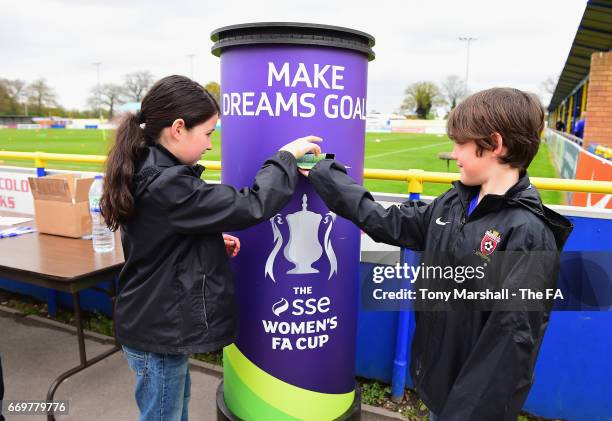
(413, 177)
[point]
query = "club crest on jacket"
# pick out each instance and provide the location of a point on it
(489, 242)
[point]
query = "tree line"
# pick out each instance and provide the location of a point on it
(421, 97)
(38, 98)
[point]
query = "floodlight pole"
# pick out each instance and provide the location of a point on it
(97, 64)
(191, 56)
(468, 40)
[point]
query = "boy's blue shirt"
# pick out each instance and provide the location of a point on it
(473, 204)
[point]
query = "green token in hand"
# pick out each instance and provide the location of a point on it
(309, 160)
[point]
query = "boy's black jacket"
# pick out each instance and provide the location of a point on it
(176, 293)
(466, 365)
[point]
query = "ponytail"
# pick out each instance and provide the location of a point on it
(117, 202)
(170, 98)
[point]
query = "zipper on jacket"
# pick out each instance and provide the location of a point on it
(462, 222)
(204, 300)
(465, 218)
(463, 215)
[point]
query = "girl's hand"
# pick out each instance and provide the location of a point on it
(304, 172)
(303, 145)
(232, 245)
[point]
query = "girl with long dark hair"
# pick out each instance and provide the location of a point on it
(175, 293)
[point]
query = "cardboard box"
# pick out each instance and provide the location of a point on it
(61, 204)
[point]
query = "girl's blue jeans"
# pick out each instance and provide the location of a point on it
(163, 385)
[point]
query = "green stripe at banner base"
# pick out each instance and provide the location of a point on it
(252, 394)
(245, 404)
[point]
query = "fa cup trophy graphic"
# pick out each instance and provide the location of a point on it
(303, 248)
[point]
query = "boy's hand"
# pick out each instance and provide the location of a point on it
(232, 245)
(304, 172)
(303, 145)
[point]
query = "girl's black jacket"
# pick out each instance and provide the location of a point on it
(466, 365)
(176, 293)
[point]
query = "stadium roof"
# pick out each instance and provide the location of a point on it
(594, 34)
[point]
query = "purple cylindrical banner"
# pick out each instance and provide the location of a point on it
(296, 277)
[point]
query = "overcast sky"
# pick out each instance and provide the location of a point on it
(519, 43)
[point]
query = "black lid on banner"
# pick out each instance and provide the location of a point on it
(292, 33)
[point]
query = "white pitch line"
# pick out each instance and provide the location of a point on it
(406, 150)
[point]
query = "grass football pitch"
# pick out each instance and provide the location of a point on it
(382, 150)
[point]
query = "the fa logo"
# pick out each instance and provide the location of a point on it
(489, 242)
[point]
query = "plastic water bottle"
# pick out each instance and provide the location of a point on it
(103, 238)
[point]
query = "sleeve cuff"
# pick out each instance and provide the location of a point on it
(287, 157)
(327, 164)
